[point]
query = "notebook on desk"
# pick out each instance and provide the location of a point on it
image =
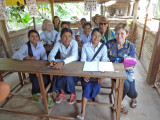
(98, 66)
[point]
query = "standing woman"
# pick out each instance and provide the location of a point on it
(107, 33)
(49, 34)
(92, 88)
(34, 50)
(57, 23)
(68, 49)
(120, 48)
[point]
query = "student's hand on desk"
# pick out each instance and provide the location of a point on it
(58, 65)
(52, 63)
(100, 80)
(86, 79)
(29, 58)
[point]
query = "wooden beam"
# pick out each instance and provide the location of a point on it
(155, 60)
(34, 23)
(135, 11)
(52, 9)
(4, 36)
(144, 31)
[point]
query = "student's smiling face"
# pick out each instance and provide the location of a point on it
(34, 38)
(96, 37)
(87, 29)
(49, 26)
(66, 38)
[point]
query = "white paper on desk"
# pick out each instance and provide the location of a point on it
(106, 66)
(98, 66)
(90, 66)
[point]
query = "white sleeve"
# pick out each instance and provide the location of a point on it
(21, 53)
(52, 54)
(43, 53)
(58, 36)
(83, 54)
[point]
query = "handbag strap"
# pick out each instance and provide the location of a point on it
(97, 51)
(30, 53)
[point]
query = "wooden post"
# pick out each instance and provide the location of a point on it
(34, 23)
(135, 14)
(4, 36)
(155, 60)
(130, 8)
(52, 9)
(90, 16)
(144, 30)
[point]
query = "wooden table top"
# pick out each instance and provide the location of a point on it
(71, 69)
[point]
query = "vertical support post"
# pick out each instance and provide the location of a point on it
(90, 16)
(144, 30)
(34, 23)
(4, 36)
(1, 77)
(155, 60)
(52, 9)
(135, 14)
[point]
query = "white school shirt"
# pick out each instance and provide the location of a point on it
(68, 55)
(80, 31)
(84, 38)
(49, 41)
(38, 52)
(88, 52)
(59, 36)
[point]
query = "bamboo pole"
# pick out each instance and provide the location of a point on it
(34, 23)
(144, 30)
(52, 9)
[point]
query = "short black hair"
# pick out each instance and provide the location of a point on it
(87, 23)
(66, 30)
(83, 19)
(32, 31)
(64, 22)
(98, 30)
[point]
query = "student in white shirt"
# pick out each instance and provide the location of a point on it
(64, 25)
(34, 50)
(92, 88)
(80, 29)
(68, 49)
(49, 34)
(86, 35)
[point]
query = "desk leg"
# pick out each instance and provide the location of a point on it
(120, 93)
(20, 78)
(43, 92)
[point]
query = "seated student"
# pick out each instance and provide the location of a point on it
(57, 23)
(49, 34)
(34, 50)
(80, 29)
(86, 35)
(107, 33)
(96, 19)
(89, 49)
(69, 26)
(68, 53)
(63, 25)
(121, 48)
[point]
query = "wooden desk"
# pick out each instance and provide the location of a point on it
(71, 69)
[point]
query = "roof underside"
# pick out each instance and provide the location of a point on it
(69, 1)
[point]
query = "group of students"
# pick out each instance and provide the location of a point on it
(109, 45)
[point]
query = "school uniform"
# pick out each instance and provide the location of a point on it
(91, 89)
(40, 54)
(95, 26)
(85, 38)
(67, 55)
(80, 31)
(59, 36)
(49, 37)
